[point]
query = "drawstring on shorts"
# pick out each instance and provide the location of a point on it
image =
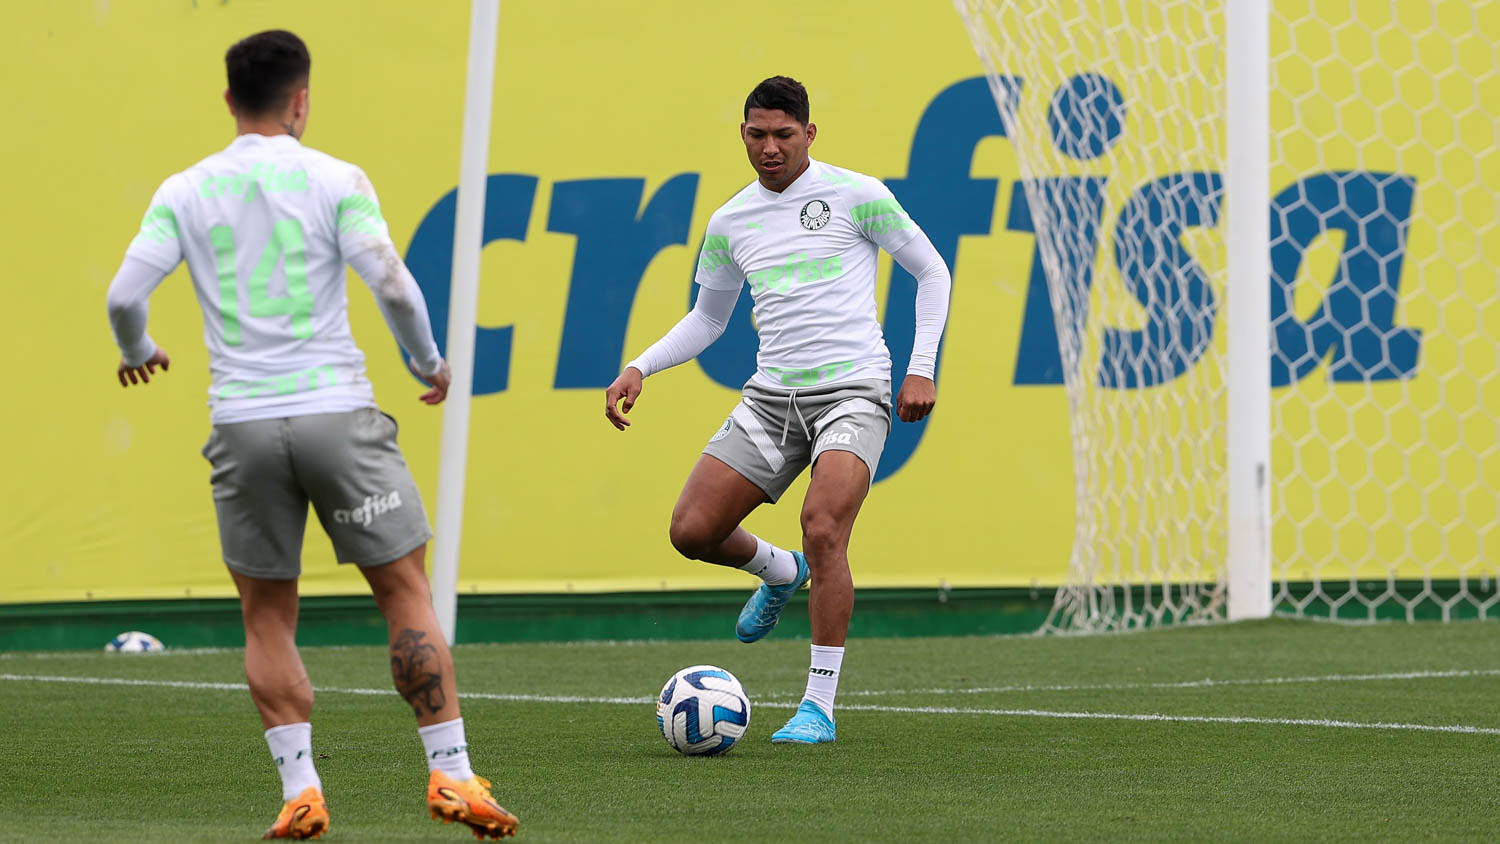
(791, 407)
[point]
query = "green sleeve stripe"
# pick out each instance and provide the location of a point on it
(360, 214)
(877, 208)
(715, 253)
(881, 216)
(159, 225)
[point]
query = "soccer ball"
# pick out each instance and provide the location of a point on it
(703, 711)
(134, 642)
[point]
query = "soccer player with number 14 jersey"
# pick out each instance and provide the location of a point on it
(805, 236)
(266, 227)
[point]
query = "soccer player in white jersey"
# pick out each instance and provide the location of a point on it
(266, 227)
(805, 235)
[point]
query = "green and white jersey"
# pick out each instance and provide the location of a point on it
(810, 254)
(266, 227)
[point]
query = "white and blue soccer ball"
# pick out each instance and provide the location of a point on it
(703, 711)
(134, 642)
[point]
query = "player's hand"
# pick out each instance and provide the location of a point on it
(438, 381)
(627, 387)
(142, 374)
(916, 398)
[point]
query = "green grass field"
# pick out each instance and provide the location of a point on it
(1270, 730)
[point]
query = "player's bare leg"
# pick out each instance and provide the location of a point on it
(421, 663)
(422, 667)
(706, 520)
(840, 481)
(284, 696)
(273, 667)
(706, 526)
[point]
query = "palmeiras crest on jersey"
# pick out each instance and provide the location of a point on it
(815, 215)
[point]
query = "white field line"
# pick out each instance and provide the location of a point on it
(29, 656)
(1182, 719)
(1205, 683)
(241, 687)
(906, 710)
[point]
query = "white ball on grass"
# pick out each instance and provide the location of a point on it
(703, 711)
(134, 642)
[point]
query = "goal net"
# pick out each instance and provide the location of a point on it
(1384, 285)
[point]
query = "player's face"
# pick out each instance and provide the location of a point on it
(777, 145)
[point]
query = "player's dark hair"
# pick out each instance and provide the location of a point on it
(781, 93)
(265, 69)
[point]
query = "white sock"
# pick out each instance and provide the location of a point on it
(447, 750)
(771, 564)
(823, 677)
(291, 749)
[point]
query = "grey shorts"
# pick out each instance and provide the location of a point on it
(773, 434)
(347, 465)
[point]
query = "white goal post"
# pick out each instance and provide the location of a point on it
(468, 227)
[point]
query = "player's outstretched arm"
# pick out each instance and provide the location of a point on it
(688, 338)
(918, 393)
(365, 243)
(405, 311)
(152, 255)
(127, 301)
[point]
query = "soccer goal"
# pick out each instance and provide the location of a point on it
(1270, 238)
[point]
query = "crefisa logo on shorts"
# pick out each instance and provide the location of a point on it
(368, 510)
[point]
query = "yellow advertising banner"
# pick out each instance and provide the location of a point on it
(615, 136)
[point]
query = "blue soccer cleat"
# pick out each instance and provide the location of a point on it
(808, 726)
(764, 608)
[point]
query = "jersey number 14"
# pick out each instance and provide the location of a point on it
(286, 246)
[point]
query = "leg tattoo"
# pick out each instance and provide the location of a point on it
(418, 673)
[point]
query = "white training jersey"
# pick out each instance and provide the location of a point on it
(810, 254)
(266, 227)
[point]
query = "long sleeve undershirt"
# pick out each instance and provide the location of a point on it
(127, 300)
(401, 303)
(692, 334)
(934, 287)
(710, 316)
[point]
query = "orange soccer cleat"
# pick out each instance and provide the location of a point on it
(468, 802)
(305, 817)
